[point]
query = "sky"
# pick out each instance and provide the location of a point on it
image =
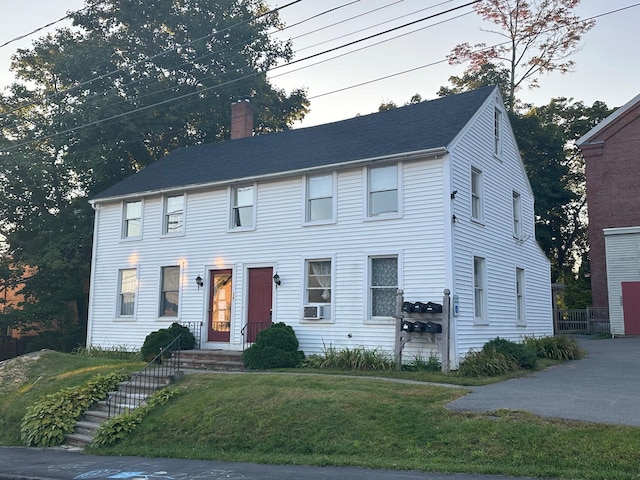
(606, 66)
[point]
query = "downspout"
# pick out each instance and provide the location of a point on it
(451, 217)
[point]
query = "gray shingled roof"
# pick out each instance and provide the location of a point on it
(422, 126)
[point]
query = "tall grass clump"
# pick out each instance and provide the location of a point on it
(420, 363)
(521, 353)
(358, 358)
(121, 352)
(555, 348)
(487, 363)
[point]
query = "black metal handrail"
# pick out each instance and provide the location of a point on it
(152, 377)
(250, 331)
(196, 329)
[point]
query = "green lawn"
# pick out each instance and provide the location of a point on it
(284, 418)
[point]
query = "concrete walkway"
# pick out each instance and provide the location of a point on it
(603, 387)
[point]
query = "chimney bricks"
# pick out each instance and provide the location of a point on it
(241, 119)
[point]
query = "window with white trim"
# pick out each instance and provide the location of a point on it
(173, 214)
(476, 195)
(242, 207)
(382, 190)
(497, 132)
(169, 291)
(520, 301)
(132, 225)
(479, 290)
(319, 202)
(127, 286)
(318, 284)
(383, 286)
(517, 215)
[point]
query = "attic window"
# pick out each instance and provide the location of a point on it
(497, 132)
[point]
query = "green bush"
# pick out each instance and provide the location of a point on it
(521, 353)
(486, 363)
(155, 342)
(422, 364)
(117, 428)
(47, 422)
(275, 347)
(358, 358)
(556, 348)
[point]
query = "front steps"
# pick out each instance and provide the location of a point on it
(218, 360)
(128, 396)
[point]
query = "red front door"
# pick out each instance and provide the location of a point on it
(259, 301)
(220, 300)
(631, 307)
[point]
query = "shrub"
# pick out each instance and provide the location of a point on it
(486, 363)
(556, 348)
(521, 353)
(275, 347)
(47, 422)
(159, 340)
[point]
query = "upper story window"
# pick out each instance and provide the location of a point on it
(173, 214)
(132, 225)
(169, 291)
(476, 195)
(242, 207)
(382, 190)
(479, 290)
(383, 287)
(497, 132)
(127, 284)
(520, 303)
(517, 215)
(319, 202)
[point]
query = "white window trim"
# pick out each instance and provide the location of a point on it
(521, 320)
(498, 131)
(305, 201)
(161, 317)
(230, 194)
(517, 214)
(369, 319)
(479, 219)
(123, 224)
(117, 315)
(365, 189)
(483, 318)
(163, 225)
(331, 317)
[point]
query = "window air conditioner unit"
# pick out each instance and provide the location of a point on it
(313, 312)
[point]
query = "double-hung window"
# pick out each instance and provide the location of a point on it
(173, 214)
(132, 227)
(517, 215)
(319, 204)
(169, 291)
(476, 195)
(382, 191)
(520, 302)
(127, 285)
(242, 207)
(383, 286)
(479, 289)
(318, 288)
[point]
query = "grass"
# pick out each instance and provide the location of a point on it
(281, 418)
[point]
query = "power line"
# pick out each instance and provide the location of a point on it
(20, 37)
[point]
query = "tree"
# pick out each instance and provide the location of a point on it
(92, 104)
(539, 36)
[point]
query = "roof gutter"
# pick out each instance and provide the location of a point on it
(405, 156)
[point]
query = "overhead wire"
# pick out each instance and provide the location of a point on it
(289, 63)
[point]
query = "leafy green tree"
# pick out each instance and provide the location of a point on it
(95, 103)
(536, 37)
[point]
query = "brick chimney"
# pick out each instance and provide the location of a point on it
(241, 119)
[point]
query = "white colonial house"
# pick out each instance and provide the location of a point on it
(318, 227)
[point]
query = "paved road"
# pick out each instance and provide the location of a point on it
(604, 387)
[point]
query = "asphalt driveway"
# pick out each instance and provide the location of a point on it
(603, 387)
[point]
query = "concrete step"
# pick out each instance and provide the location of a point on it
(84, 427)
(212, 360)
(96, 416)
(77, 440)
